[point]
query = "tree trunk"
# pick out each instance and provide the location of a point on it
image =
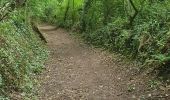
(73, 13)
(87, 4)
(106, 11)
(132, 18)
(67, 9)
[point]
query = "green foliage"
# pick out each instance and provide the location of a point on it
(131, 88)
(153, 84)
(22, 54)
(139, 28)
(65, 13)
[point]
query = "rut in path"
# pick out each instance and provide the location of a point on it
(76, 71)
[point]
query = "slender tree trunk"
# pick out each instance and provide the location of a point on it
(106, 11)
(87, 4)
(73, 13)
(67, 9)
(132, 18)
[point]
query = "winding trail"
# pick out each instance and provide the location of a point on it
(76, 71)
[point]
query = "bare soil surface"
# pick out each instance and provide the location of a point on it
(76, 71)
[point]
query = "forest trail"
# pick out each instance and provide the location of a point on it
(76, 71)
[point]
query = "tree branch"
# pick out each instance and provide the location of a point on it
(132, 18)
(134, 15)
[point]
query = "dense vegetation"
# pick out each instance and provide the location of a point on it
(139, 29)
(22, 53)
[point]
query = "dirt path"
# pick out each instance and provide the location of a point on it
(76, 71)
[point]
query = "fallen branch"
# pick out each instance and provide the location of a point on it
(36, 30)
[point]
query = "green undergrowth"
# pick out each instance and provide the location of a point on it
(147, 40)
(108, 24)
(22, 55)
